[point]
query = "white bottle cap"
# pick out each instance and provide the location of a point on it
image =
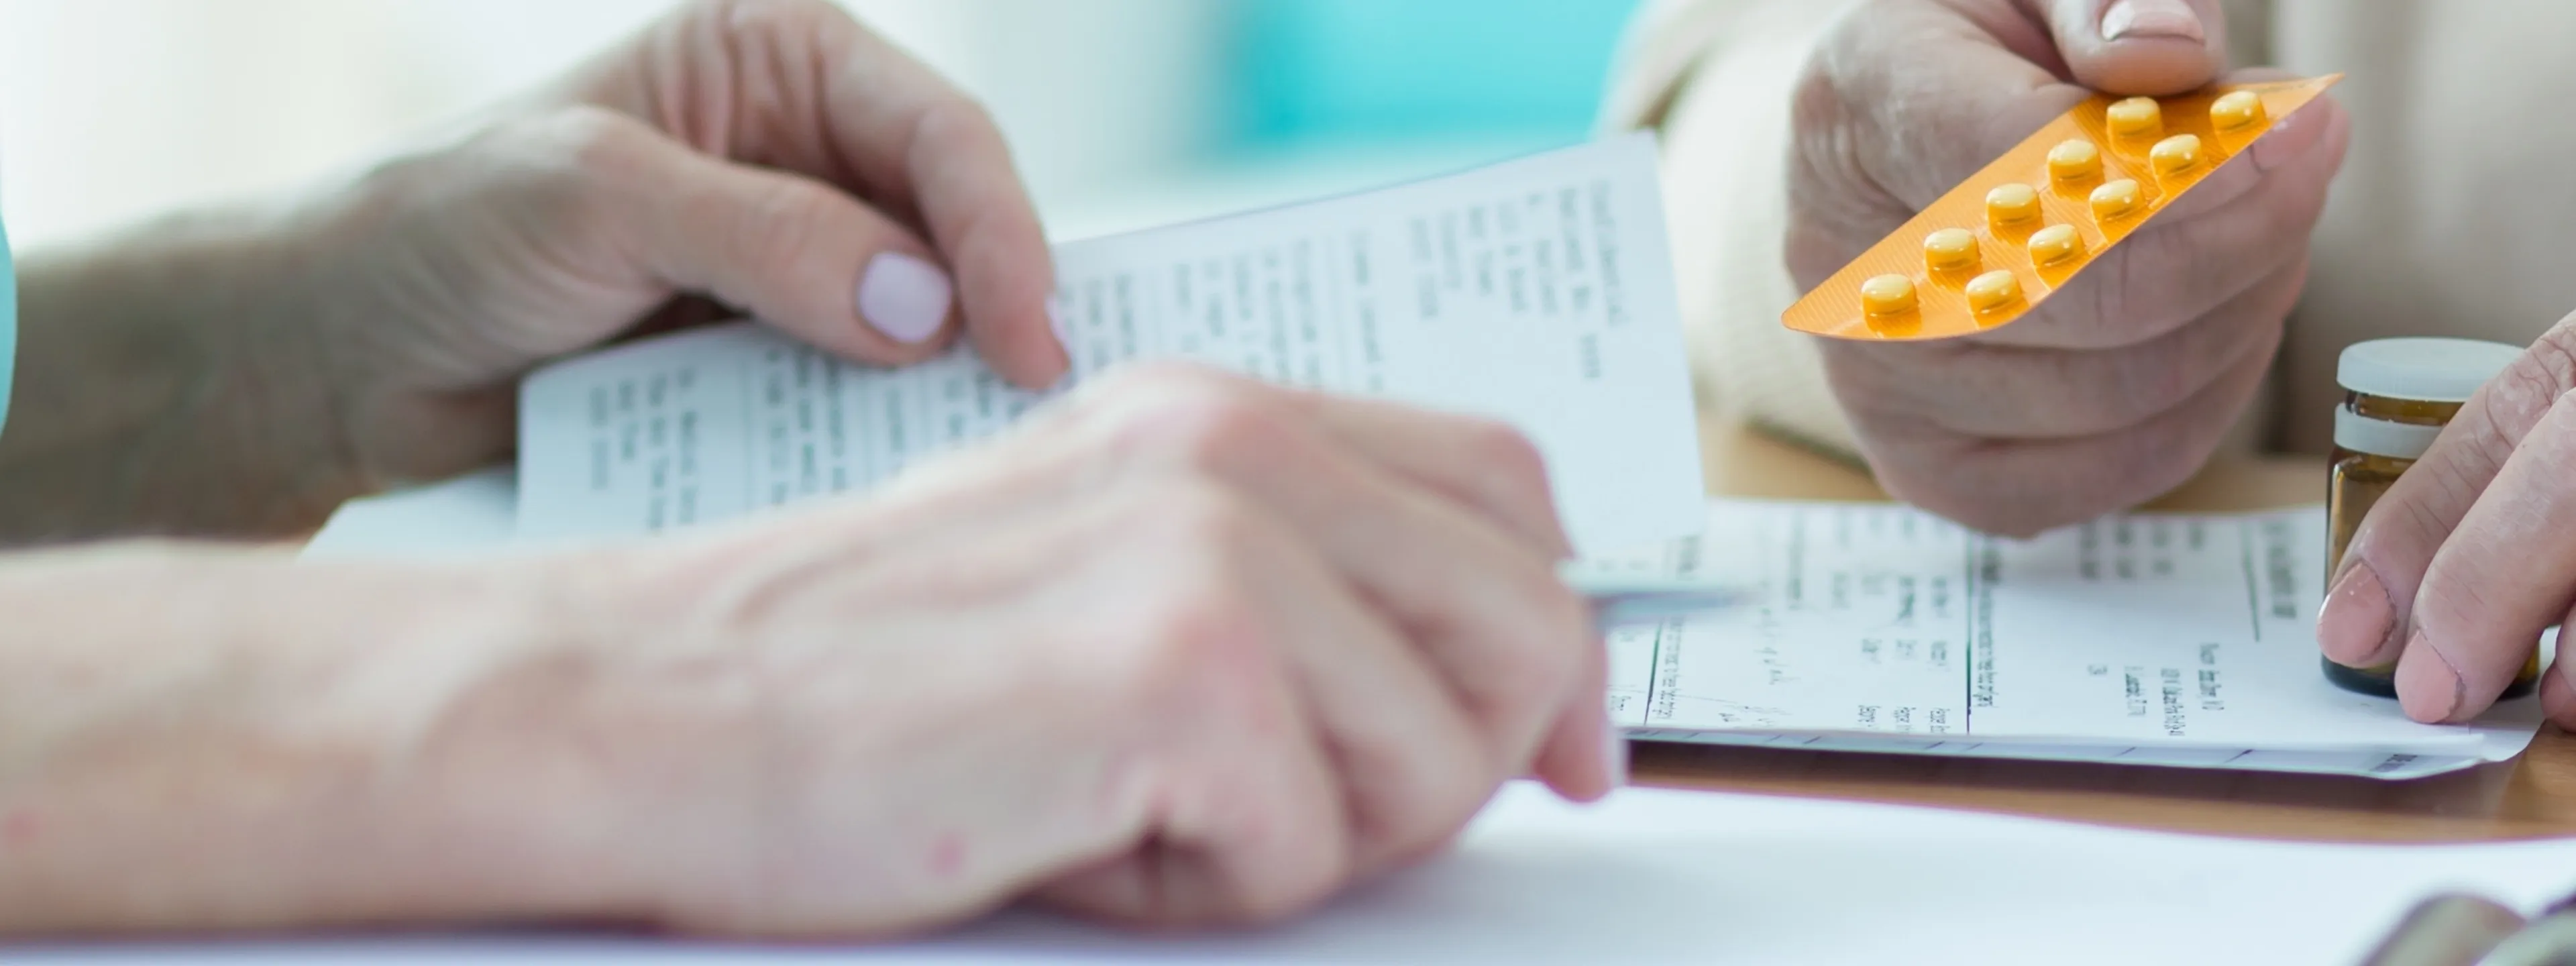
(2423, 370)
(2382, 437)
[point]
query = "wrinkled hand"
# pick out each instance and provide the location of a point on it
(2467, 559)
(2121, 385)
(1188, 649)
(771, 155)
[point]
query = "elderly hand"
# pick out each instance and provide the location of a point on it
(1184, 649)
(1188, 650)
(2465, 561)
(772, 155)
(2121, 385)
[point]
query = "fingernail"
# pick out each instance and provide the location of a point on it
(905, 297)
(2353, 621)
(2428, 687)
(1614, 756)
(2151, 19)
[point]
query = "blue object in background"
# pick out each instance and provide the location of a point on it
(1311, 72)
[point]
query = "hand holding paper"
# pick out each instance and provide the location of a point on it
(1538, 292)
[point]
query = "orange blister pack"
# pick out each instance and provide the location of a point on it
(2020, 228)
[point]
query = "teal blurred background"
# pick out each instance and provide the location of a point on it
(1322, 72)
(1306, 98)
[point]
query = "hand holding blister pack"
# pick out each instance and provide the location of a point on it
(2020, 229)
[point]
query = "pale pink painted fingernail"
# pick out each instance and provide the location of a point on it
(2151, 19)
(905, 297)
(2354, 620)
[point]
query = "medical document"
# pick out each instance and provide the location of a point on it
(1536, 291)
(2150, 638)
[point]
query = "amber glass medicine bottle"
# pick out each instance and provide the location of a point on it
(2398, 394)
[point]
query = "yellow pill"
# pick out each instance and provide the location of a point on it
(2074, 161)
(1887, 295)
(2011, 204)
(2136, 117)
(2116, 200)
(2175, 155)
(1950, 250)
(2237, 111)
(2055, 244)
(1993, 291)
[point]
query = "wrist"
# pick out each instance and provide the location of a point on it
(166, 387)
(511, 790)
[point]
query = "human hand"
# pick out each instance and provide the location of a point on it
(1185, 649)
(2465, 560)
(771, 155)
(2117, 388)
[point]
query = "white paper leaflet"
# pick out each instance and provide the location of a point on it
(2151, 639)
(1537, 291)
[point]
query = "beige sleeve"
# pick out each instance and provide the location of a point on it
(1715, 78)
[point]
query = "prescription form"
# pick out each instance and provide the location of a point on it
(1539, 291)
(2159, 639)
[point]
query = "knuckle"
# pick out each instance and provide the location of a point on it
(1210, 523)
(952, 128)
(563, 165)
(2526, 390)
(1816, 99)
(778, 220)
(953, 125)
(1196, 423)
(1203, 633)
(782, 17)
(587, 139)
(1152, 383)
(1206, 643)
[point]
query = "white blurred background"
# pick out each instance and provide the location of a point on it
(1123, 112)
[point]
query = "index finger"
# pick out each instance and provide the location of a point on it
(2372, 609)
(918, 142)
(800, 85)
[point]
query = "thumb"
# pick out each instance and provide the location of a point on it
(2151, 47)
(798, 253)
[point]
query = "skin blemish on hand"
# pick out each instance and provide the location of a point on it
(948, 856)
(19, 827)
